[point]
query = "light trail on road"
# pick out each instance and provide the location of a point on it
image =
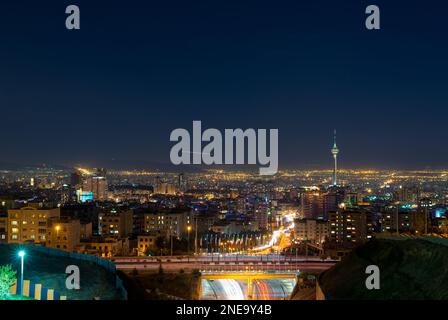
(232, 289)
(277, 234)
(261, 290)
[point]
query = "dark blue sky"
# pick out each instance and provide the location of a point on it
(138, 69)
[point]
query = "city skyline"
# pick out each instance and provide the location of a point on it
(193, 152)
(168, 167)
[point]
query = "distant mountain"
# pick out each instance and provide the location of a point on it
(164, 166)
(14, 166)
(10, 166)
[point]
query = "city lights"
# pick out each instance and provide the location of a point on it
(223, 150)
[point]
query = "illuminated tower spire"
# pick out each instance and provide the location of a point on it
(335, 152)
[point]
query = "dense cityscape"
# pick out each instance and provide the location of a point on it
(223, 158)
(213, 218)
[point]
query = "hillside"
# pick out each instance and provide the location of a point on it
(50, 272)
(410, 269)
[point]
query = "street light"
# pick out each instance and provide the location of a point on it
(22, 256)
(196, 236)
(171, 240)
(188, 229)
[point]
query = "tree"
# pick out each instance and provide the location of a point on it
(7, 280)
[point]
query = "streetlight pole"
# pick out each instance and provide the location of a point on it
(196, 236)
(57, 233)
(22, 256)
(171, 240)
(188, 240)
(397, 214)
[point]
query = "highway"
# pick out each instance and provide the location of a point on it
(237, 289)
(277, 235)
(223, 289)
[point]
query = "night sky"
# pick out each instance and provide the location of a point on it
(111, 93)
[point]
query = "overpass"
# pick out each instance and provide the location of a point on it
(234, 277)
(223, 264)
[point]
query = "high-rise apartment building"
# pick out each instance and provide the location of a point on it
(97, 185)
(347, 226)
(312, 203)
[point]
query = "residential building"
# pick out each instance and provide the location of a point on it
(105, 247)
(348, 226)
(117, 223)
(315, 231)
(3, 226)
(146, 242)
(174, 224)
(30, 224)
(64, 234)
